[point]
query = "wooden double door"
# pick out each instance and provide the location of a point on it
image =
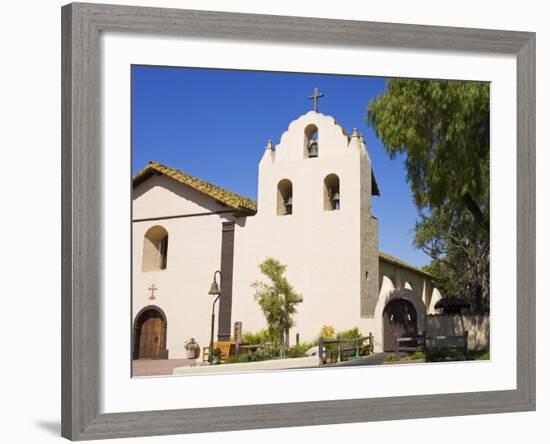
(399, 321)
(150, 334)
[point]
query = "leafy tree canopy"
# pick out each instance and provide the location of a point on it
(460, 252)
(443, 128)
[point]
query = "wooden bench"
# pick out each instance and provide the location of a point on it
(227, 349)
(448, 343)
(411, 344)
(427, 344)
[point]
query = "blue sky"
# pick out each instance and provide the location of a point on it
(202, 120)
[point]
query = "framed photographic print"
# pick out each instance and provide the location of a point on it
(278, 221)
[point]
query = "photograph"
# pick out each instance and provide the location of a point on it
(287, 221)
(274, 222)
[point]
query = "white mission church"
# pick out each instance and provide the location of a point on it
(313, 214)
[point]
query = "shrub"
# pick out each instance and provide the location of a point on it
(327, 332)
(260, 337)
(192, 344)
(417, 355)
(217, 352)
(365, 350)
(481, 355)
(259, 355)
(350, 334)
(237, 359)
(299, 350)
(444, 355)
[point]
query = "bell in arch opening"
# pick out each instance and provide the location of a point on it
(312, 141)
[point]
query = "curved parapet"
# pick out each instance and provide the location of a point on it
(330, 136)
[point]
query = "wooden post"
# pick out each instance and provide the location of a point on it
(371, 342)
(237, 334)
(466, 344)
(320, 352)
(339, 348)
(357, 346)
(297, 338)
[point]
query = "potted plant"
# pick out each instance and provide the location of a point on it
(193, 349)
(216, 356)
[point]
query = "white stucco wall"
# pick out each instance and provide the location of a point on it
(194, 248)
(322, 249)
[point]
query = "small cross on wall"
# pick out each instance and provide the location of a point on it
(152, 289)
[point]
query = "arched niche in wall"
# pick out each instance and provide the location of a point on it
(155, 249)
(284, 197)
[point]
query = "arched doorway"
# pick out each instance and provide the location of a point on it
(150, 334)
(400, 320)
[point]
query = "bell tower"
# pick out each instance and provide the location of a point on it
(314, 209)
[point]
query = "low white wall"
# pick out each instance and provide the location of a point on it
(272, 364)
(478, 328)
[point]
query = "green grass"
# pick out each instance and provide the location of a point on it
(440, 355)
(416, 356)
(479, 355)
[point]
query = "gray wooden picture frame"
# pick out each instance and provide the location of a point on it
(81, 26)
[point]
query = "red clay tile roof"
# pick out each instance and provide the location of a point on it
(222, 195)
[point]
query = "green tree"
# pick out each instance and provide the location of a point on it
(442, 127)
(460, 253)
(278, 301)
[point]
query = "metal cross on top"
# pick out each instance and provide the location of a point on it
(316, 96)
(152, 289)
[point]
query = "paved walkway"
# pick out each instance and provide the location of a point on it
(157, 367)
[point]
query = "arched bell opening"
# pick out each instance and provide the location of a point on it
(311, 141)
(331, 193)
(284, 198)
